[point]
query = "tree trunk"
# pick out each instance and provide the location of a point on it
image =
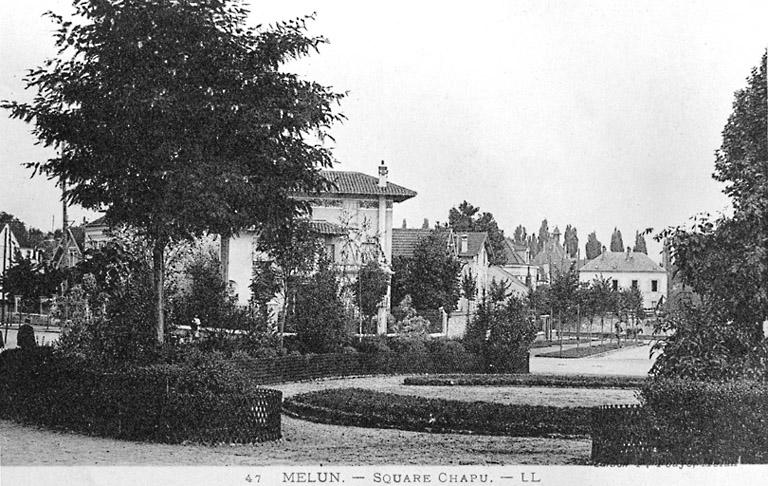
(158, 281)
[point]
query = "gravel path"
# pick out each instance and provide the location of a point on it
(302, 443)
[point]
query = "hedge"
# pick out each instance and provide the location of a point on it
(368, 408)
(312, 366)
(166, 403)
(561, 381)
(686, 422)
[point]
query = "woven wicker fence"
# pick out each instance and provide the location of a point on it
(623, 434)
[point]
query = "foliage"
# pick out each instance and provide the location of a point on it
(176, 118)
(520, 235)
(501, 332)
(27, 237)
(640, 246)
(703, 345)
(742, 160)
(564, 294)
(31, 281)
(571, 241)
(204, 400)
(593, 247)
(706, 422)
(294, 247)
(543, 233)
(204, 294)
(264, 287)
(617, 244)
(370, 287)
(526, 380)
(430, 277)
(629, 302)
(25, 338)
(318, 314)
(369, 408)
(466, 218)
(469, 286)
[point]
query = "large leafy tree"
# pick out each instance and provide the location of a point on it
(617, 243)
(31, 281)
(176, 118)
(467, 217)
(593, 247)
(571, 240)
(520, 236)
(640, 245)
(725, 261)
(430, 277)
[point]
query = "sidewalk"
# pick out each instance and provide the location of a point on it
(632, 361)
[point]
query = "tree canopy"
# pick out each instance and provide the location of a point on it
(593, 248)
(640, 245)
(617, 244)
(176, 118)
(465, 217)
(430, 277)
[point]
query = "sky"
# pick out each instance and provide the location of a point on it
(598, 114)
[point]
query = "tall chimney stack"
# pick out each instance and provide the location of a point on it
(383, 171)
(464, 243)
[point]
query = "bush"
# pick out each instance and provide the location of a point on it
(25, 338)
(709, 422)
(368, 408)
(318, 313)
(203, 400)
(564, 381)
(501, 333)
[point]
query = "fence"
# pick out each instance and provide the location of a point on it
(623, 434)
(307, 367)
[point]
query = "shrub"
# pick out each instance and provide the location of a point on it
(25, 338)
(318, 314)
(501, 333)
(565, 381)
(203, 400)
(368, 408)
(709, 422)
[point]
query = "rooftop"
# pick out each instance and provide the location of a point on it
(475, 242)
(359, 184)
(621, 262)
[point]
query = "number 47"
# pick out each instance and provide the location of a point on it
(256, 478)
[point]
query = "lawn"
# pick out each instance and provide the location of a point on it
(584, 351)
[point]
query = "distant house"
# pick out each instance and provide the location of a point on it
(9, 248)
(629, 270)
(552, 260)
(96, 234)
(519, 263)
(354, 218)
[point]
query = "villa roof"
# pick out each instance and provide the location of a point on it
(475, 242)
(98, 222)
(405, 240)
(359, 184)
(621, 262)
(327, 228)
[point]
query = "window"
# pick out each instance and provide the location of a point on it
(634, 284)
(654, 285)
(615, 284)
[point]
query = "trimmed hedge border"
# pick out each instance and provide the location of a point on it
(157, 404)
(685, 422)
(313, 366)
(367, 408)
(559, 381)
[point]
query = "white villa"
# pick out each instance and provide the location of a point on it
(629, 270)
(354, 218)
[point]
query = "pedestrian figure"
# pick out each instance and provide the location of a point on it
(2, 343)
(618, 333)
(195, 328)
(25, 337)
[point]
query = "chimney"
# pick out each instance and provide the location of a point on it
(602, 254)
(464, 244)
(383, 175)
(629, 253)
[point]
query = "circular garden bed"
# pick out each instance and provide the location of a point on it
(370, 408)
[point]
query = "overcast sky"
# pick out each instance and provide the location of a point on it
(592, 113)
